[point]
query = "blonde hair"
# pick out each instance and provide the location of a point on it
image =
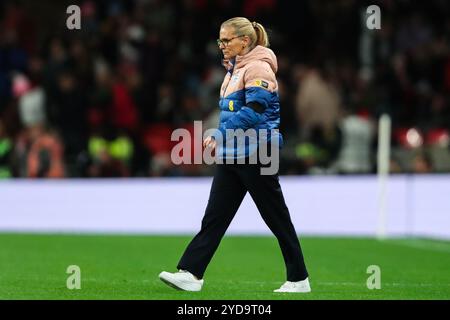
(255, 31)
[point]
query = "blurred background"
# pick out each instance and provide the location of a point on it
(80, 106)
(103, 101)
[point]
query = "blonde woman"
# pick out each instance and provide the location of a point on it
(248, 100)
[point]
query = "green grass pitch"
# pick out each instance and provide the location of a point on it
(33, 266)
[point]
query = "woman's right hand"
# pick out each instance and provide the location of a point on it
(209, 142)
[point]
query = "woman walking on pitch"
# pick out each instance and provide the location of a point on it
(248, 100)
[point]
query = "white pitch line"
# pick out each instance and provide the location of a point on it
(421, 244)
(362, 284)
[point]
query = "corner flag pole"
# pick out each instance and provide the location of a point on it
(384, 146)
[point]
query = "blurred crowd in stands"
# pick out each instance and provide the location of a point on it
(103, 101)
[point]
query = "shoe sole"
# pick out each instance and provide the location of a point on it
(292, 291)
(174, 285)
(170, 284)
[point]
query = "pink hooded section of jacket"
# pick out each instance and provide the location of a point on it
(259, 64)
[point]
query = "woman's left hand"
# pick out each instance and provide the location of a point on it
(209, 142)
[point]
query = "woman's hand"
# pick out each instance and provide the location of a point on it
(209, 142)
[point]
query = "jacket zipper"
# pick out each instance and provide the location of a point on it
(226, 87)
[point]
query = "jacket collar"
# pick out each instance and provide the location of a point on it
(258, 53)
(229, 65)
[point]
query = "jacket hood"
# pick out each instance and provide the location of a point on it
(259, 53)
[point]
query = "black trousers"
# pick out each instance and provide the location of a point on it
(230, 184)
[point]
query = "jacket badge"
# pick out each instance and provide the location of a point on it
(231, 105)
(262, 83)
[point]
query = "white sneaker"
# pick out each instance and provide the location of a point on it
(299, 286)
(181, 280)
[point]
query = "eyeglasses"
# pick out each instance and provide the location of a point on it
(225, 42)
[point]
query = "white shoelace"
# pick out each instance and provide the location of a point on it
(291, 285)
(288, 285)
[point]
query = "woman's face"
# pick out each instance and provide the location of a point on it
(230, 43)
